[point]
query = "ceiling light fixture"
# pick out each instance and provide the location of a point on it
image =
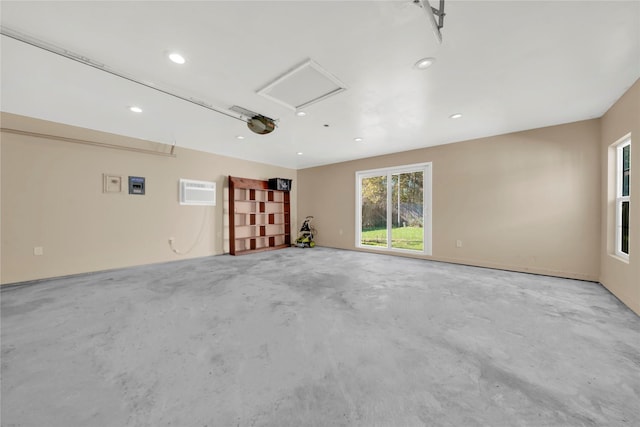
(135, 109)
(424, 63)
(239, 137)
(299, 153)
(261, 125)
(301, 114)
(358, 139)
(432, 13)
(256, 122)
(177, 58)
(455, 116)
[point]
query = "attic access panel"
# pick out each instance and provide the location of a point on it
(304, 85)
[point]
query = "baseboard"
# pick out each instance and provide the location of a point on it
(489, 264)
(519, 269)
(21, 283)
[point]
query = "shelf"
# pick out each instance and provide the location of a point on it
(258, 237)
(259, 225)
(260, 201)
(249, 251)
(259, 214)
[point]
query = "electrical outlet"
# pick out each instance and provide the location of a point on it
(458, 243)
(38, 250)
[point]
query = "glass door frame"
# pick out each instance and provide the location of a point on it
(426, 169)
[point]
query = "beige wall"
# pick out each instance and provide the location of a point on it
(527, 201)
(52, 197)
(622, 278)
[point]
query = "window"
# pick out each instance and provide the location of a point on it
(623, 168)
(394, 208)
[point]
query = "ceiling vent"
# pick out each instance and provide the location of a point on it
(304, 85)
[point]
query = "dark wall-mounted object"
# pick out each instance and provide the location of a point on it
(282, 184)
(136, 185)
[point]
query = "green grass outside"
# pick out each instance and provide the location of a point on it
(401, 238)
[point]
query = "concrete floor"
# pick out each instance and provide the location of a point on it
(317, 337)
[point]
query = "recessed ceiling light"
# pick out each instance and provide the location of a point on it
(239, 137)
(455, 116)
(301, 114)
(358, 139)
(177, 58)
(299, 153)
(135, 109)
(424, 63)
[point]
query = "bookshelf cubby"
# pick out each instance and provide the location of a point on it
(259, 218)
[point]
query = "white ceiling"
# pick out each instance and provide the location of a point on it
(505, 65)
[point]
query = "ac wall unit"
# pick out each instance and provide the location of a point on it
(198, 193)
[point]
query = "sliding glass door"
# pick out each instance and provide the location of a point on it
(407, 218)
(392, 208)
(374, 211)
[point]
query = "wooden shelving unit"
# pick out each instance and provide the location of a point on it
(259, 218)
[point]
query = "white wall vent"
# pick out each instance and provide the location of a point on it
(199, 193)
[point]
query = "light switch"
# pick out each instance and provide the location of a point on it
(112, 183)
